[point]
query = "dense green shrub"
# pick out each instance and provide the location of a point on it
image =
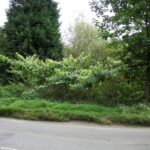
(12, 90)
(5, 75)
(74, 79)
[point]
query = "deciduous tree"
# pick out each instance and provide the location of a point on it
(129, 21)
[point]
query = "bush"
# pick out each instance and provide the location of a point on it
(5, 75)
(73, 79)
(30, 94)
(12, 90)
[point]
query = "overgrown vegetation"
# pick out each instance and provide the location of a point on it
(37, 109)
(128, 22)
(80, 79)
(107, 65)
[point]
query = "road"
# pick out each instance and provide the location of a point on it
(31, 135)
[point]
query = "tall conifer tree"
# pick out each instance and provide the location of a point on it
(33, 28)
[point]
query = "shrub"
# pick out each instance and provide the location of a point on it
(73, 79)
(5, 75)
(12, 90)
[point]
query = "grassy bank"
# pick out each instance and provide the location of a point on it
(56, 111)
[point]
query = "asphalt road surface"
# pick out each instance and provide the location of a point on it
(30, 135)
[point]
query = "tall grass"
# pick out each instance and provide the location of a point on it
(38, 109)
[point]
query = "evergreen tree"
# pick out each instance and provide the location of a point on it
(33, 28)
(2, 40)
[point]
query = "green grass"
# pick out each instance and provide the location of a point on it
(56, 111)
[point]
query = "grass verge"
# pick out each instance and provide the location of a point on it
(56, 111)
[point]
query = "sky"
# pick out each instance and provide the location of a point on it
(4, 4)
(69, 11)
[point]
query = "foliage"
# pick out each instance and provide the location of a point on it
(3, 61)
(33, 28)
(74, 79)
(31, 70)
(129, 21)
(5, 75)
(2, 40)
(85, 38)
(12, 90)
